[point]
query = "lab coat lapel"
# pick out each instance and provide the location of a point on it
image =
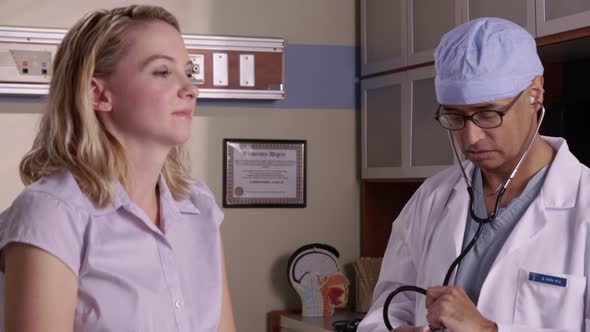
(452, 228)
(529, 226)
(557, 193)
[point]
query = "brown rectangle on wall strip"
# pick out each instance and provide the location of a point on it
(381, 204)
(268, 69)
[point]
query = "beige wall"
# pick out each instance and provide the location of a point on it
(324, 22)
(18, 121)
(257, 241)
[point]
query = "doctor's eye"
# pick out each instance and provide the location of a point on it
(452, 118)
(486, 115)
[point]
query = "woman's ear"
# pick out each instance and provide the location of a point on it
(101, 100)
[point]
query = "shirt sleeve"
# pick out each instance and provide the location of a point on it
(203, 199)
(46, 222)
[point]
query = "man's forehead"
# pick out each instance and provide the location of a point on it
(502, 104)
(473, 107)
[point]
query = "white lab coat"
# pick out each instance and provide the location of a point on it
(552, 238)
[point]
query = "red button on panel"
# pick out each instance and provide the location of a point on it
(25, 63)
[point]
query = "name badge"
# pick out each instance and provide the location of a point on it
(547, 279)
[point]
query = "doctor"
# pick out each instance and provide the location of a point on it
(528, 270)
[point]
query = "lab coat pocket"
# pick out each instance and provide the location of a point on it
(549, 300)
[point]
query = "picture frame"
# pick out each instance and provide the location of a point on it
(264, 173)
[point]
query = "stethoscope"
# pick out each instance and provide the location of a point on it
(481, 221)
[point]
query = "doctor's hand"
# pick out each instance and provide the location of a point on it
(407, 328)
(451, 308)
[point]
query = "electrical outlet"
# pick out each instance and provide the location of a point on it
(198, 61)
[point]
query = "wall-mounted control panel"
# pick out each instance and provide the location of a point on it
(25, 63)
(198, 61)
(223, 67)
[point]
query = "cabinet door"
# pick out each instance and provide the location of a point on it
(400, 137)
(428, 21)
(554, 16)
(430, 144)
(383, 35)
(382, 119)
(521, 12)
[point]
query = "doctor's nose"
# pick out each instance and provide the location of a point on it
(472, 133)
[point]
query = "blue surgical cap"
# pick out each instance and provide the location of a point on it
(484, 60)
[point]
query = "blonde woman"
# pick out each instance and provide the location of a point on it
(111, 233)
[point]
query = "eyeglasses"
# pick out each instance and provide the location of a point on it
(486, 119)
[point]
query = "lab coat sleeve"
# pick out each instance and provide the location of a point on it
(398, 269)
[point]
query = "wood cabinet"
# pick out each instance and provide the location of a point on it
(400, 137)
(381, 122)
(383, 35)
(401, 142)
(400, 33)
(521, 12)
(430, 150)
(554, 16)
(428, 20)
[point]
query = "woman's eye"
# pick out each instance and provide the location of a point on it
(162, 72)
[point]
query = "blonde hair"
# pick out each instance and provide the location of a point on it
(70, 135)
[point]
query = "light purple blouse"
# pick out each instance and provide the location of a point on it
(131, 275)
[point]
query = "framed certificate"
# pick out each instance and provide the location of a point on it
(264, 173)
